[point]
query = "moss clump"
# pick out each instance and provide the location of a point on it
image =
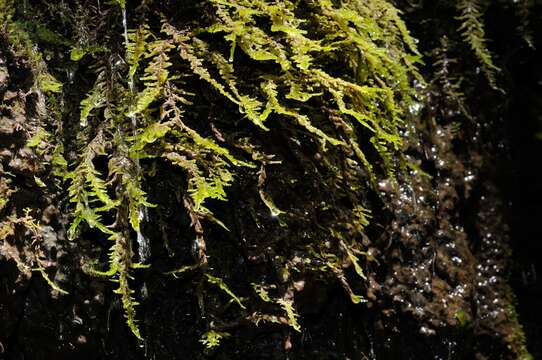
(281, 65)
(269, 132)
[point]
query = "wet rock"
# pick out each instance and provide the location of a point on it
(7, 126)
(26, 162)
(436, 279)
(4, 76)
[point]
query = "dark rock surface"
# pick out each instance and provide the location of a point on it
(437, 289)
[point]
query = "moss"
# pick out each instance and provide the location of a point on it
(303, 109)
(139, 114)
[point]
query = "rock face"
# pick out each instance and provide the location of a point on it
(437, 254)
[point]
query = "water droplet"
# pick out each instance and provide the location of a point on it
(427, 331)
(457, 260)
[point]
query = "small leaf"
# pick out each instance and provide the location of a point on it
(37, 138)
(39, 182)
(220, 283)
(211, 338)
(77, 53)
(48, 84)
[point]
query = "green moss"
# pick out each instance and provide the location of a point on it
(472, 29)
(212, 338)
(335, 81)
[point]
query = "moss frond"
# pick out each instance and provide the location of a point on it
(222, 286)
(340, 89)
(472, 29)
(212, 339)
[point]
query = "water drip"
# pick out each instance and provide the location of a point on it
(142, 240)
(126, 42)
(125, 25)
